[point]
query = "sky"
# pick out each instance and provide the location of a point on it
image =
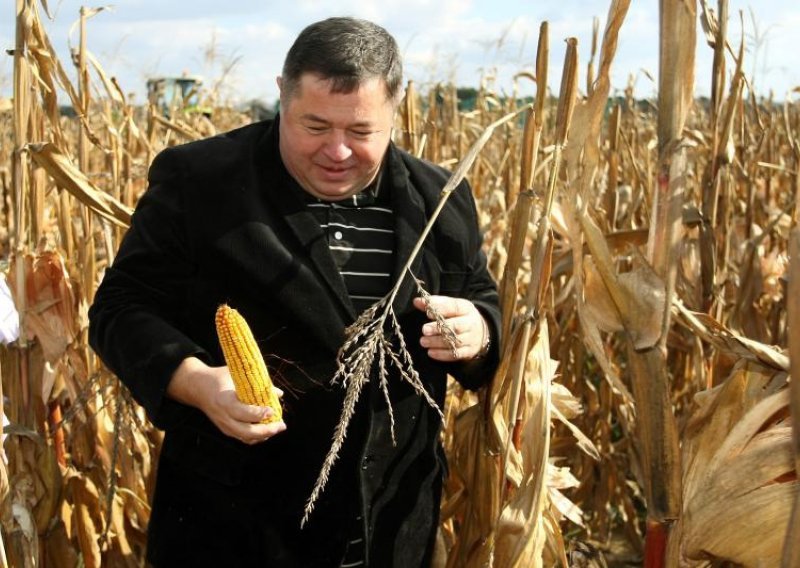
(461, 41)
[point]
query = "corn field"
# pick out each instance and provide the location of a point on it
(646, 253)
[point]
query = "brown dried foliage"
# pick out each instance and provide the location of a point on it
(597, 269)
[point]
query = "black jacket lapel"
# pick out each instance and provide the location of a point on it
(287, 197)
(305, 227)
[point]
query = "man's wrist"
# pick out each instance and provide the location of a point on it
(184, 387)
(486, 341)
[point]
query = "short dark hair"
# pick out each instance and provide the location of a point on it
(347, 51)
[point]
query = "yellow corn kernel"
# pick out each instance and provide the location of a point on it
(245, 362)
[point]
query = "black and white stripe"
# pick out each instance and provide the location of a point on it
(354, 555)
(361, 241)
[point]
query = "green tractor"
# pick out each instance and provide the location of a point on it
(176, 94)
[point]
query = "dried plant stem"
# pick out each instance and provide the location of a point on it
(539, 281)
(111, 489)
(441, 324)
(523, 206)
(791, 547)
(4, 485)
(539, 277)
(657, 429)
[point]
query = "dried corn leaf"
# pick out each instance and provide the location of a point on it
(478, 472)
(638, 296)
(19, 524)
(118, 532)
(739, 481)
(564, 507)
(791, 547)
(43, 69)
(59, 551)
(69, 177)
(87, 518)
(48, 488)
(584, 135)
(178, 127)
(520, 533)
(600, 308)
(722, 338)
(111, 90)
(50, 66)
(589, 325)
(565, 402)
(584, 443)
(51, 311)
(590, 329)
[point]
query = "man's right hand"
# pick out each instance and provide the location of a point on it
(211, 390)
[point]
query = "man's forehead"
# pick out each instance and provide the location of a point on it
(313, 117)
(334, 87)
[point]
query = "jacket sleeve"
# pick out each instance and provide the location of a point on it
(481, 289)
(133, 322)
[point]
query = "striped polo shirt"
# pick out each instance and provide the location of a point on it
(360, 235)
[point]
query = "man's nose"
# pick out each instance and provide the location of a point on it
(337, 147)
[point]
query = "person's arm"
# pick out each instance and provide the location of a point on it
(474, 317)
(135, 318)
(211, 390)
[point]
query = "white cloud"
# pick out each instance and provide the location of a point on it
(440, 40)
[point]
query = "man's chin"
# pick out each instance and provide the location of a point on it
(333, 192)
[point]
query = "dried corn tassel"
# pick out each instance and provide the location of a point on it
(245, 362)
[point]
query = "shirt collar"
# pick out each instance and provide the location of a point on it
(370, 195)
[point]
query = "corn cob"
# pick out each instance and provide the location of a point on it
(245, 362)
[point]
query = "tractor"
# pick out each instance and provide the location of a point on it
(176, 94)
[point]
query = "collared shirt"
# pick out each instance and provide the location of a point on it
(360, 234)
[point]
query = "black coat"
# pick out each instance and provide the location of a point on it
(223, 222)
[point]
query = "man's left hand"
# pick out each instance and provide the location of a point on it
(463, 318)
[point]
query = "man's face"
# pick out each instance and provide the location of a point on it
(333, 143)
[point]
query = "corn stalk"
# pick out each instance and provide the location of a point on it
(19, 520)
(523, 204)
(512, 400)
(791, 546)
(657, 429)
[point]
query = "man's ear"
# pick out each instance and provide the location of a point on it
(279, 81)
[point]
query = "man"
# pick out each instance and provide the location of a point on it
(299, 223)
